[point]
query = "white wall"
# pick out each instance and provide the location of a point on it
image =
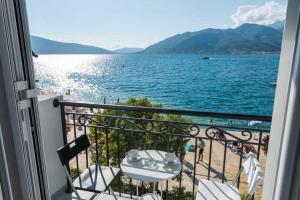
(52, 138)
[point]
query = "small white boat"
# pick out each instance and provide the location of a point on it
(273, 83)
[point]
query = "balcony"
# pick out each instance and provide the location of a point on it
(115, 129)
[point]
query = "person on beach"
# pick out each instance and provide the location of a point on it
(235, 146)
(230, 124)
(182, 153)
(68, 92)
(249, 148)
(266, 144)
(201, 146)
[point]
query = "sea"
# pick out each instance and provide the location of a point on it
(240, 84)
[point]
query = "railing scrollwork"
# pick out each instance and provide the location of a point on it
(214, 132)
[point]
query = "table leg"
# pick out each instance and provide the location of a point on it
(137, 189)
(153, 187)
(161, 189)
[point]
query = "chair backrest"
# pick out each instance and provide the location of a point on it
(70, 150)
(253, 171)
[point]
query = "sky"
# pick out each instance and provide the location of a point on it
(114, 24)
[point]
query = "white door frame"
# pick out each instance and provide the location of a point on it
(22, 124)
(281, 154)
(5, 182)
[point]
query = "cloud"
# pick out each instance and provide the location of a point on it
(268, 13)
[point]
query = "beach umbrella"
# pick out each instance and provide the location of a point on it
(253, 123)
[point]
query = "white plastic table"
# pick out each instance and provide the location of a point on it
(138, 171)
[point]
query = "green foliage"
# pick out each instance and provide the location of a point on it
(175, 194)
(118, 135)
(74, 173)
(180, 194)
(123, 186)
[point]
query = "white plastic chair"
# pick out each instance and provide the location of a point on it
(211, 190)
(151, 196)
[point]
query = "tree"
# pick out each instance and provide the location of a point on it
(117, 131)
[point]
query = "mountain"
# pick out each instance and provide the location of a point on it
(45, 46)
(128, 50)
(279, 25)
(247, 38)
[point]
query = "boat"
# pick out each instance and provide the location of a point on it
(206, 58)
(273, 83)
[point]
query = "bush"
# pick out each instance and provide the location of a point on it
(74, 173)
(179, 194)
(137, 132)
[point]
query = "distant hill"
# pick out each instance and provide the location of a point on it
(279, 25)
(128, 50)
(247, 38)
(45, 46)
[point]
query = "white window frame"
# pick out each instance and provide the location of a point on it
(281, 158)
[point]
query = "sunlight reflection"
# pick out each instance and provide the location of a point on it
(58, 73)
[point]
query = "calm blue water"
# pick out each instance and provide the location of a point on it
(233, 84)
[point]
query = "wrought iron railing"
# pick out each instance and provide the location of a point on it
(149, 128)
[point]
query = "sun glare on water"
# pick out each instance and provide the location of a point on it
(58, 72)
